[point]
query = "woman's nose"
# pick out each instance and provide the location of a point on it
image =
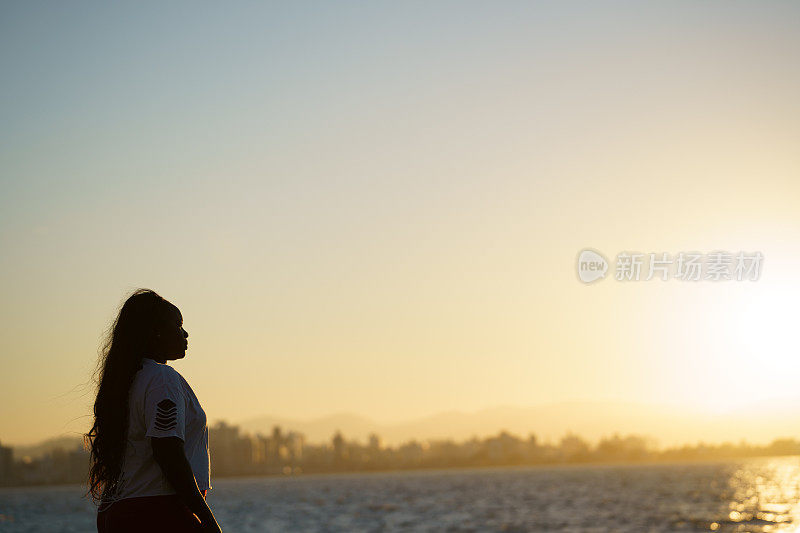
(186, 334)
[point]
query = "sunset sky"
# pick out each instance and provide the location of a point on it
(376, 208)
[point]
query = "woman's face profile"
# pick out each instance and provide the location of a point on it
(171, 341)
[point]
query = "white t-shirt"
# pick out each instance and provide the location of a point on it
(162, 404)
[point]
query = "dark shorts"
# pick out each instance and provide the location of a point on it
(150, 514)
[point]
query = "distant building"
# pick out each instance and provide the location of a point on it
(375, 442)
(339, 450)
(294, 446)
(6, 465)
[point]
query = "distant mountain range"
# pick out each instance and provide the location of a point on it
(65, 442)
(667, 426)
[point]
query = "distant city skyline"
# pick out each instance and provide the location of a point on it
(284, 452)
(664, 425)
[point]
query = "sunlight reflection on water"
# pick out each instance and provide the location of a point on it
(764, 497)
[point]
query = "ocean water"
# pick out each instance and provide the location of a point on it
(749, 495)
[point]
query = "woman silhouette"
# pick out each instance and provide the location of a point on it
(149, 462)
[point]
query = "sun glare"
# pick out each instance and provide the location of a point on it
(765, 360)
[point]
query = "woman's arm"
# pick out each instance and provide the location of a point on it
(171, 457)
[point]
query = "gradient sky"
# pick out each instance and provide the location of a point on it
(376, 207)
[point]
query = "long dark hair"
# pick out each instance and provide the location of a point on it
(130, 337)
